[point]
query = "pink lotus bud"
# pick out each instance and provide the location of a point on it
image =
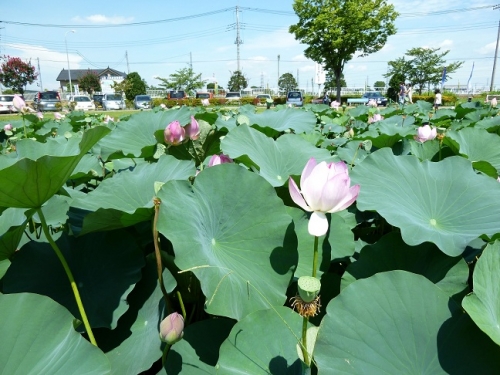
(8, 128)
(58, 116)
(376, 117)
(425, 133)
(324, 188)
(174, 133)
(372, 103)
(172, 328)
(107, 119)
(219, 159)
(494, 102)
(205, 102)
(163, 106)
(19, 103)
(335, 105)
(39, 115)
(193, 129)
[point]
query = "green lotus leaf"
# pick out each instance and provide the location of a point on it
(391, 253)
(277, 160)
(264, 342)
(400, 323)
(192, 355)
(105, 267)
(446, 203)
(289, 118)
(30, 183)
(471, 142)
(483, 305)
(41, 339)
(12, 225)
(231, 237)
(137, 132)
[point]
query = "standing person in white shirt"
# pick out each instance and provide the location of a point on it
(437, 99)
(409, 92)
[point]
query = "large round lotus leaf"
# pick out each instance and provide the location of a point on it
(105, 267)
(338, 244)
(228, 228)
(276, 159)
(264, 342)
(38, 338)
(298, 121)
(472, 143)
(484, 304)
(446, 202)
(28, 183)
(400, 323)
(392, 253)
(198, 351)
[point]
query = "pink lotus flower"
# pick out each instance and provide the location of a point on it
(19, 103)
(193, 129)
(172, 328)
(219, 159)
(174, 133)
(335, 104)
(425, 133)
(376, 117)
(494, 102)
(372, 103)
(58, 116)
(205, 102)
(8, 128)
(107, 119)
(39, 115)
(325, 188)
(163, 106)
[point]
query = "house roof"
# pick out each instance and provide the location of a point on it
(76, 74)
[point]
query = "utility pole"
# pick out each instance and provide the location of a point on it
(39, 74)
(190, 61)
(128, 66)
(298, 85)
(496, 52)
(278, 85)
(238, 40)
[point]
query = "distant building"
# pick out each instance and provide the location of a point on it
(107, 76)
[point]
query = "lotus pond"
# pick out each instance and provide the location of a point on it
(109, 227)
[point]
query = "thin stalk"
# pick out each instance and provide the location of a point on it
(159, 265)
(164, 355)
(74, 287)
(181, 302)
(304, 342)
(315, 257)
(200, 164)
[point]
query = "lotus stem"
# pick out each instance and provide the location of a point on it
(65, 265)
(159, 265)
(181, 302)
(315, 257)
(304, 341)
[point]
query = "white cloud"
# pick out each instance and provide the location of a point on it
(487, 49)
(447, 43)
(103, 20)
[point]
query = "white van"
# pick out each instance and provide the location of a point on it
(113, 101)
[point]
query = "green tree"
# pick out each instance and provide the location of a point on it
(287, 82)
(334, 30)
(331, 81)
(183, 79)
(90, 82)
(16, 74)
(132, 85)
(423, 68)
(237, 82)
(379, 85)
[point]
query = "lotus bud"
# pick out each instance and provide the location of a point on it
(39, 115)
(494, 102)
(219, 159)
(193, 129)
(308, 288)
(172, 328)
(58, 116)
(8, 128)
(19, 103)
(174, 133)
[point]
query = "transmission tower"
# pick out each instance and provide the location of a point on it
(238, 40)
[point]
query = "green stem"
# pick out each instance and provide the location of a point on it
(181, 302)
(70, 277)
(315, 257)
(164, 355)
(159, 265)
(200, 164)
(24, 126)
(304, 341)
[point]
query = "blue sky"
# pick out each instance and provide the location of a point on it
(171, 34)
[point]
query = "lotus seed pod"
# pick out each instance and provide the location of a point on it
(308, 288)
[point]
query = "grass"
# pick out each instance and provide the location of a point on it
(6, 118)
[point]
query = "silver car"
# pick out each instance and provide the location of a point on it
(142, 102)
(294, 99)
(113, 101)
(47, 101)
(6, 104)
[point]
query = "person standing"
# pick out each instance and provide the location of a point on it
(409, 93)
(437, 99)
(402, 93)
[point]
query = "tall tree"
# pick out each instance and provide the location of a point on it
(379, 85)
(90, 82)
(16, 73)
(287, 82)
(237, 82)
(131, 86)
(335, 30)
(183, 79)
(331, 81)
(424, 67)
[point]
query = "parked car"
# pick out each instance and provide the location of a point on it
(113, 101)
(204, 95)
(97, 98)
(263, 99)
(295, 99)
(47, 101)
(142, 102)
(176, 95)
(6, 104)
(230, 96)
(81, 103)
(375, 95)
